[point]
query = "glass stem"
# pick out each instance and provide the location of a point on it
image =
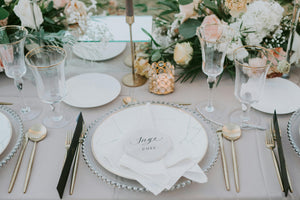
(57, 116)
(246, 110)
(211, 81)
(19, 84)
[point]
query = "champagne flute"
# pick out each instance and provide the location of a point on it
(214, 39)
(251, 65)
(12, 39)
(47, 64)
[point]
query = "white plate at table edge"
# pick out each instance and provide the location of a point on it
(209, 159)
(112, 51)
(68, 100)
(260, 106)
(7, 132)
(115, 171)
(18, 131)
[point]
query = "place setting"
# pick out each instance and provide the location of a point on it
(157, 137)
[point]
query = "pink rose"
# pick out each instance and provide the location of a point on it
(60, 3)
(211, 19)
(279, 55)
(257, 62)
(210, 29)
(3, 22)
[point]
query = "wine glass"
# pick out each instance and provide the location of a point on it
(214, 39)
(251, 65)
(47, 65)
(12, 39)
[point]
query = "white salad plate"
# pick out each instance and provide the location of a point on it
(169, 119)
(91, 90)
(98, 51)
(280, 94)
(5, 132)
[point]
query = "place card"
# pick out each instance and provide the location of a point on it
(147, 145)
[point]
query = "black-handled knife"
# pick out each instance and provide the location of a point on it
(70, 156)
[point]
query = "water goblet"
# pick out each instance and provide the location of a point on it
(47, 65)
(214, 39)
(251, 64)
(12, 39)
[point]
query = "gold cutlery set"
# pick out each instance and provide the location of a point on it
(36, 133)
(231, 132)
(273, 137)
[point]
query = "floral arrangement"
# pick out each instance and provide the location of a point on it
(264, 23)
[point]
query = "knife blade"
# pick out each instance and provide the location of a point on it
(70, 156)
(283, 170)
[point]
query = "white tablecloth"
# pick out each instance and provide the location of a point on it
(257, 175)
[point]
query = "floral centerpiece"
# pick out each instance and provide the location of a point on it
(48, 20)
(264, 23)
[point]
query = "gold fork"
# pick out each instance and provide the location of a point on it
(68, 141)
(271, 145)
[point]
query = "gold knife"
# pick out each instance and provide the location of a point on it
(6, 103)
(75, 166)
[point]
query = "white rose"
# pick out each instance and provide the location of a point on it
(24, 12)
(7, 2)
(183, 53)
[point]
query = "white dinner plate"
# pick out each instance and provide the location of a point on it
(97, 51)
(180, 125)
(91, 90)
(280, 94)
(5, 132)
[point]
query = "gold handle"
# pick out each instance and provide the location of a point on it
(74, 172)
(290, 183)
(235, 168)
(17, 167)
(277, 170)
(6, 103)
(224, 163)
(28, 173)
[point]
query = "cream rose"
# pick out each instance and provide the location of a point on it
(23, 11)
(183, 53)
(76, 12)
(189, 10)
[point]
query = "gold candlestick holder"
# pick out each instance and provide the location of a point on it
(132, 79)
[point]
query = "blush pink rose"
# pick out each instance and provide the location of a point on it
(3, 22)
(210, 30)
(257, 62)
(60, 3)
(279, 55)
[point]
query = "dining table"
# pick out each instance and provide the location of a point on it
(257, 174)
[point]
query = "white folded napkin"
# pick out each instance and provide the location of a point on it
(172, 158)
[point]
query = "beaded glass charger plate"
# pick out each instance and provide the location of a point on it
(208, 154)
(17, 134)
(293, 131)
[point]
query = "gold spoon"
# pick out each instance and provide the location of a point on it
(35, 136)
(33, 129)
(233, 132)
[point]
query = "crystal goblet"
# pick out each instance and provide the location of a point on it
(47, 64)
(12, 39)
(214, 39)
(251, 64)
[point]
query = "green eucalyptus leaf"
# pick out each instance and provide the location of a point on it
(185, 2)
(3, 13)
(156, 55)
(188, 28)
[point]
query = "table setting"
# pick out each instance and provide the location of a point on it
(81, 125)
